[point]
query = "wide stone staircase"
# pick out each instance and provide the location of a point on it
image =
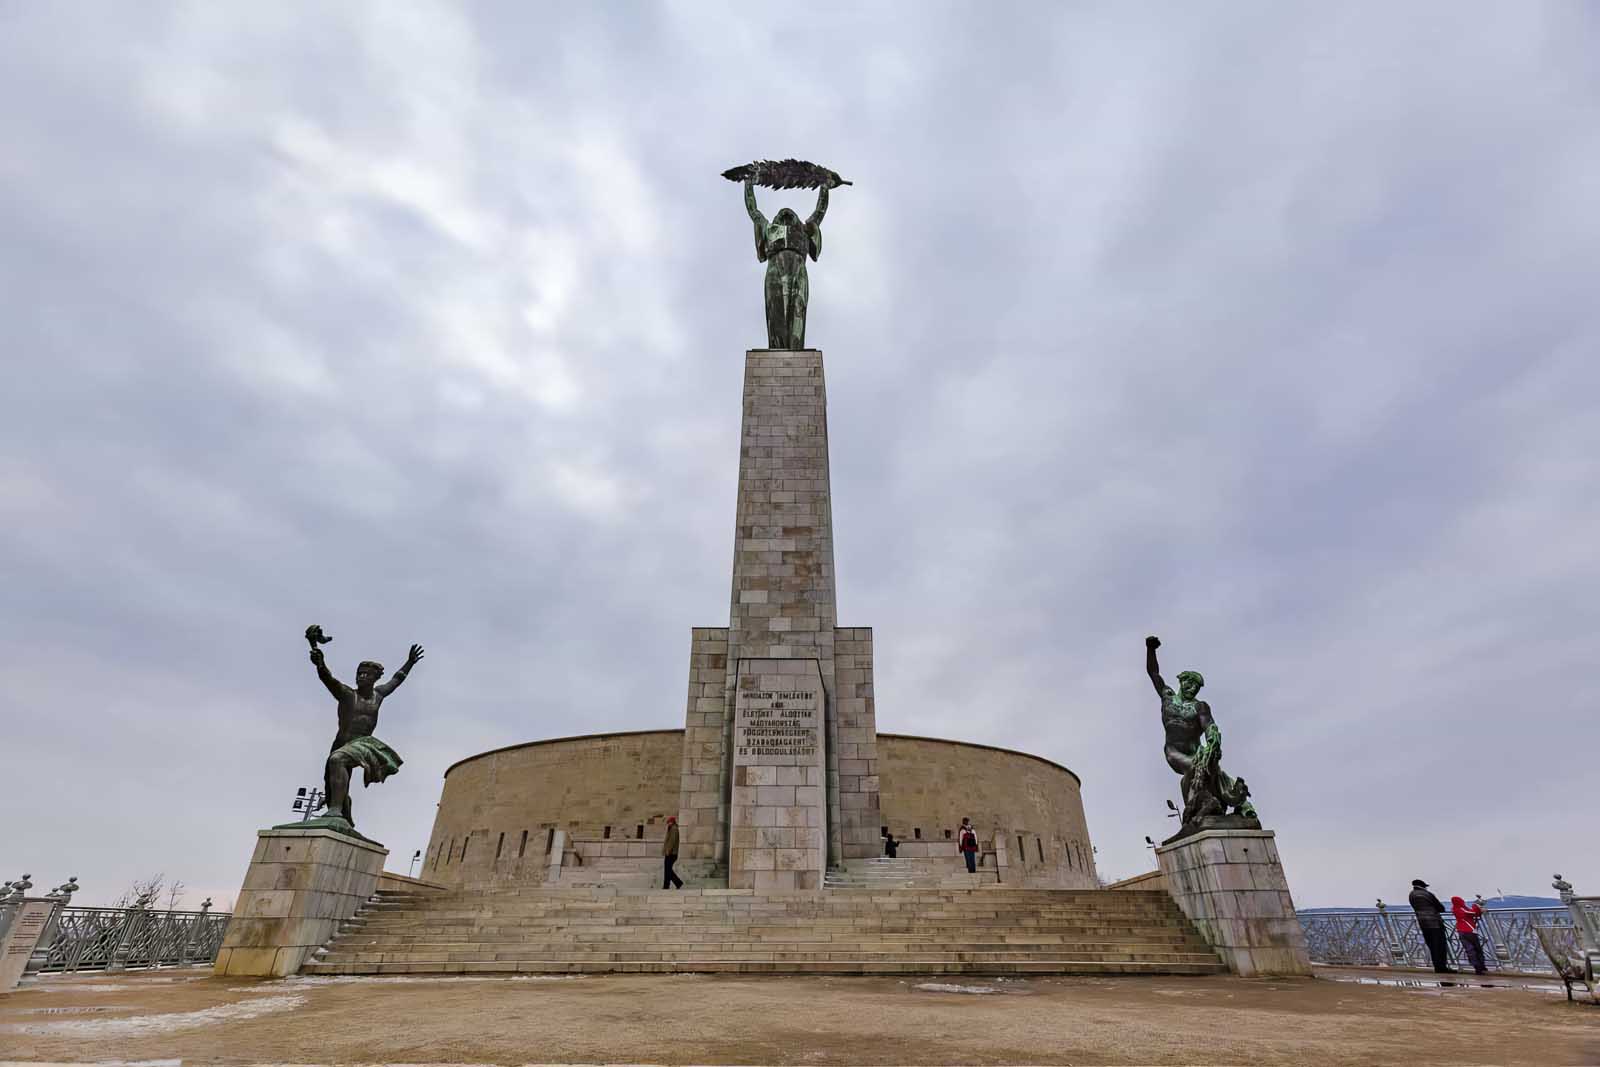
(884, 873)
(846, 931)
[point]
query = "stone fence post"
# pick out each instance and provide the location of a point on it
(133, 921)
(1582, 919)
(61, 897)
(197, 926)
(11, 895)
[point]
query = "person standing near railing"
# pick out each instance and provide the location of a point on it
(1467, 919)
(1430, 921)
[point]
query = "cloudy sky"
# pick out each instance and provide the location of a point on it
(1269, 328)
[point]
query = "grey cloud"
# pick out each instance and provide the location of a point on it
(1262, 328)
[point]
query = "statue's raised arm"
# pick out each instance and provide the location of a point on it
(1151, 667)
(757, 218)
(315, 638)
(399, 676)
(814, 224)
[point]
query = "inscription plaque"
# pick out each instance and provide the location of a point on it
(778, 826)
(21, 939)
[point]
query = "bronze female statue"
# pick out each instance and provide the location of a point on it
(784, 242)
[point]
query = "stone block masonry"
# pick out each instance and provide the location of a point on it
(703, 790)
(300, 885)
(1230, 883)
(778, 827)
(782, 607)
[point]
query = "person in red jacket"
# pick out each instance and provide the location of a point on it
(967, 842)
(1467, 919)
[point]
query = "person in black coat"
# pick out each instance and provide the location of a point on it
(1430, 920)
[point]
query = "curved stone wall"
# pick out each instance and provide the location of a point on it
(926, 786)
(610, 795)
(601, 787)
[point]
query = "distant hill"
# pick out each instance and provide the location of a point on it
(1510, 900)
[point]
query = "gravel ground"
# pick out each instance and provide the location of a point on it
(694, 1019)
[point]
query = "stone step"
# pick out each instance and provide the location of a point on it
(1020, 922)
(976, 906)
(800, 940)
(1141, 953)
(715, 966)
(657, 931)
(1153, 958)
(558, 892)
(847, 931)
(490, 925)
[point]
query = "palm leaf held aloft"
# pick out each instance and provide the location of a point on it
(785, 174)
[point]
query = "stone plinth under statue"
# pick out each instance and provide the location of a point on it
(300, 885)
(1230, 883)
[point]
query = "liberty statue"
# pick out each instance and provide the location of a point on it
(784, 242)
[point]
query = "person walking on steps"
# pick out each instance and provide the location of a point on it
(968, 844)
(1467, 919)
(669, 855)
(1430, 920)
(891, 847)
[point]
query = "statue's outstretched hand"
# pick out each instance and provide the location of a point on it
(1152, 642)
(416, 654)
(316, 656)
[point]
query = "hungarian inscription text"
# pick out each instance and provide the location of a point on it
(772, 724)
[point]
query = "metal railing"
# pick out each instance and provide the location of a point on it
(1386, 938)
(114, 939)
(1392, 938)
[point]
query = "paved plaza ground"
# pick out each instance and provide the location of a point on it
(694, 1019)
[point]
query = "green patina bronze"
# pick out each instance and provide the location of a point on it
(1211, 796)
(784, 242)
(354, 745)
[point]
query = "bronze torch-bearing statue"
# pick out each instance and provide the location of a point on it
(354, 745)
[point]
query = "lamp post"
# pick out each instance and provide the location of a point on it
(308, 802)
(415, 856)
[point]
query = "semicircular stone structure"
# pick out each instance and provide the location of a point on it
(609, 796)
(779, 779)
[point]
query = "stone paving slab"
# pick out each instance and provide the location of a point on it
(189, 1017)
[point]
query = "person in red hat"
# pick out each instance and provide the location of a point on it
(669, 856)
(1467, 919)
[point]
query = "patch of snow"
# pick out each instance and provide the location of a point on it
(147, 1025)
(944, 987)
(299, 981)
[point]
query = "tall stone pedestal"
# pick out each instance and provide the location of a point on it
(300, 886)
(1230, 884)
(781, 623)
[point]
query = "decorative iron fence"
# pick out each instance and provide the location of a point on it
(116, 939)
(1393, 939)
(112, 939)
